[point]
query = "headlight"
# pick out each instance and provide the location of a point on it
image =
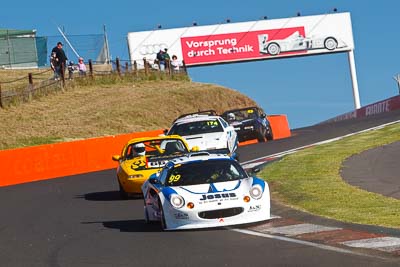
(177, 201)
(135, 176)
(256, 192)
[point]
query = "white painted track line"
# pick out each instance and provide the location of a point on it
(299, 229)
(377, 242)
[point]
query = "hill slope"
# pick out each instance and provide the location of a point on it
(84, 112)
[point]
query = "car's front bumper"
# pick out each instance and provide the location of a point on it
(254, 211)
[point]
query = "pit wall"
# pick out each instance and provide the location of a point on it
(44, 162)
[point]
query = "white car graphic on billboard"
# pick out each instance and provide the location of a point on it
(297, 42)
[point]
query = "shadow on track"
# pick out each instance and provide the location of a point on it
(129, 225)
(142, 226)
(102, 196)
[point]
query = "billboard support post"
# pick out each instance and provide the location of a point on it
(353, 74)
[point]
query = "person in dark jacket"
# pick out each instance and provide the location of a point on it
(58, 60)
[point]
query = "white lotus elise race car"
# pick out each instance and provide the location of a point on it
(209, 133)
(202, 190)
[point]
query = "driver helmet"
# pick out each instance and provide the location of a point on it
(139, 149)
(231, 117)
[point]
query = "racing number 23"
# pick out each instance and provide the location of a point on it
(174, 178)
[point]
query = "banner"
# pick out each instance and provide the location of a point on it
(245, 41)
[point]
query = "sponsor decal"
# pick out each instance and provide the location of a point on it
(377, 108)
(254, 208)
(217, 196)
(231, 46)
(181, 216)
(209, 198)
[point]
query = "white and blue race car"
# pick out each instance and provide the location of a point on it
(200, 190)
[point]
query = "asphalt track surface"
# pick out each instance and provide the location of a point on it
(376, 170)
(81, 221)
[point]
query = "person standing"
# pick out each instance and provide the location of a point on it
(59, 59)
(81, 67)
(161, 59)
(175, 63)
(167, 58)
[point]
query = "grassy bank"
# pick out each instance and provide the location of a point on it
(109, 107)
(310, 180)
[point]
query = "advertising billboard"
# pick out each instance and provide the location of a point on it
(245, 41)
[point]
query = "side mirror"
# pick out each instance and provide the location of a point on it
(153, 180)
(165, 131)
(254, 171)
(195, 149)
(116, 157)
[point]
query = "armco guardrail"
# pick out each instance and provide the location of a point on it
(387, 105)
(44, 162)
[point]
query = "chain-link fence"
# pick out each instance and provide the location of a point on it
(23, 50)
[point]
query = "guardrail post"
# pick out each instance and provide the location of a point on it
(135, 67)
(168, 66)
(30, 86)
(146, 67)
(184, 67)
(1, 98)
(118, 66)
(158, 64)
(30, 79)
(126, 66)
(90, 68)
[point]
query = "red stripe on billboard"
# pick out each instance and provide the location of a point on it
(232, 46)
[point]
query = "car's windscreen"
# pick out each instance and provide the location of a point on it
(160, 147)
(203, 172)
(239, 115)
(196, 127)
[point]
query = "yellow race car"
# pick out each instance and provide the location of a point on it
(142, 157)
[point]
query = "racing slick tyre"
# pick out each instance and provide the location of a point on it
(146, 213)
(122, 193)
(261, 135)
(270, 134)
(162, 220)
(330, 43)
(273, 49)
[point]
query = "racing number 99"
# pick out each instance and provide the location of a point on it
(174, 178)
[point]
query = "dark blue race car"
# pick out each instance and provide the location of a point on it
(249, 123)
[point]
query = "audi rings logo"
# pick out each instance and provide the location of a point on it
(151, 49)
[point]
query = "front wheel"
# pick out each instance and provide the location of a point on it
(270, 134)
(330, 43)
(273, 49)
(163, 224)
(146, 213)
(261, 135)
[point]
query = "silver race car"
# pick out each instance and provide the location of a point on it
(297, 42)
(201, 190)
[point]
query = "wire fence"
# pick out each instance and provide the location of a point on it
(25, 85)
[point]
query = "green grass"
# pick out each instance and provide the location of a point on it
(310, 180)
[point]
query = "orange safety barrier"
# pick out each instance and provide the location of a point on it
(280, 126)
(43, 162)
(62, 159)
